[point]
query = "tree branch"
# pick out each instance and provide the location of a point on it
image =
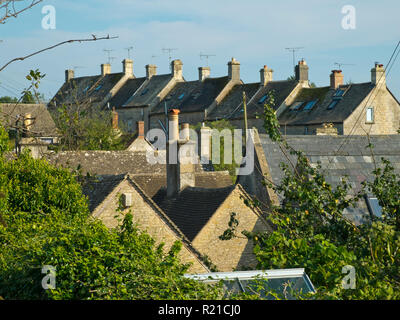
(54, 46)
(5, 4)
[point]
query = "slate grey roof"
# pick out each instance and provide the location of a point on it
(193, 207)
(43, 125)
(178, 95)
(148, 92)
(98, 188)
(198, 95)
(75, 91)
(281, 89)
(85, 90)
(353, 159)
(127, 90)
(353, 96)
(233, 102)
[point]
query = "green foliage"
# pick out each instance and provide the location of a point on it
(7, 99)
(44, 220)
(87, 130)
(222, 166)
(311, 231)
(4, 142)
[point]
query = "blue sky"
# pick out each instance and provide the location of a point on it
(255, 32)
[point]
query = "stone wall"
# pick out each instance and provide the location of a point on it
(146, 217)
(237, 253)
(386, 115)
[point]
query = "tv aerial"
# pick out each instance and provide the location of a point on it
(206, 56)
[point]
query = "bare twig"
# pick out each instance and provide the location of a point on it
(11, 11)
(54, 46)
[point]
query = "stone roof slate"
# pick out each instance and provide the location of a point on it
(149, 92)
(233, 102)
(354, 95)
(127, 91)
(198, 95)
(353, 159)
(193, 207)
(43, 125)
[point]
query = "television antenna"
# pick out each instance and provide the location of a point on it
(202, 55)
(77, 67)
(169, 51)
(294, 50)
(152, 57)
(108, 51)
(129, 49)
(343, 64)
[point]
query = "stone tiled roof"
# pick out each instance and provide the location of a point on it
(85, 90)
(43, 125)
(233, 102)
(193, 207)
(99, 187)
(198, 95)
(353, 96)
(127, 91)
(105, 162)
(178, 95)
(281, 89)
(148, 92)
(353, 159)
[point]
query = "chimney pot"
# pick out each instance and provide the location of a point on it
(336, 78)
(69, 74)
(127, 67)
(378, 75)
(151, 70)
(114, 119)
(140, 129)
(176, 69)
(204, 73)
(234, 70)
(105, 69)
(185, 133)
(301, 71)
(265, 75)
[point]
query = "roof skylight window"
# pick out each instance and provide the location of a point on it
(181, 96)
(144, 91)
(98, 88)
(338, 93)
(333, 104)
(310, 105)
(296, 106)
(262, 99)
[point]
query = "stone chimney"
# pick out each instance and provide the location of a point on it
(185, 133)
(69, 74)
(176, 69)
(140, 129)
(265, 75)
(28, 123)
(378, 75)
(114, 121)
(105, 69)
(151, 70)
(301, 71)
(205, 144)
(336, 79)
(204, 73)
(234, 70)
(180, 171)
(127, 67)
